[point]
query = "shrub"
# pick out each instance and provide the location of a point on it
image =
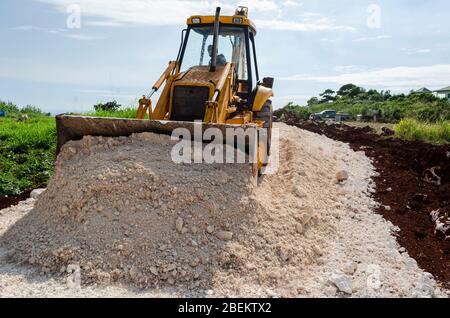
(411, 129)
(9, 108)
(294, 111)
(120, 113)
(109, 107)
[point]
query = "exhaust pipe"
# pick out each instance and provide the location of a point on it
(215, 41)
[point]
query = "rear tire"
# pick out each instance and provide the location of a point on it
(266, 115)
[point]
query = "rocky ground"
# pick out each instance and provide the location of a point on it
(309, 230)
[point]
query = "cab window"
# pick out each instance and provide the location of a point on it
(231, 48)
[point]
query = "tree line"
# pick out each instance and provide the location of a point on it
(355, 100)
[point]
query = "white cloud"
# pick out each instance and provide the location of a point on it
(35, 28)
(292, 97)
(258, 5)
(417, 51)
(108, 94)
(423, 51)
(301, 26)
(175, 12)
(45, 72)
(310, 15)
(374, 38)
(350, 68)
(25, 28)
(291, 3)
(104, 23)
(396, 78)
(328, 40)
(95, 91)
(151, 12)
(281, 101)
(80, 37)
(56, 31)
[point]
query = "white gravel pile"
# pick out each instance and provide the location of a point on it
(123, 211)
(127, 215)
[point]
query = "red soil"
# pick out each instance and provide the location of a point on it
(7, 201)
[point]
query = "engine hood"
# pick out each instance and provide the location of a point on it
(199, 75)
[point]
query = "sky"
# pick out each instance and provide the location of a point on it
(64, 55)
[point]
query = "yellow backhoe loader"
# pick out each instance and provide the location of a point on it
(214, 80)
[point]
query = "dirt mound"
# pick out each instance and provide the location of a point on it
(407, 188)
(123, 211)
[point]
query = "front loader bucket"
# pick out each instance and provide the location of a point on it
(70, 127)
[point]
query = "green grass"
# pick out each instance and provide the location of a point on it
(27, 151)
(121, 113)
(27, 148)
(411, 129)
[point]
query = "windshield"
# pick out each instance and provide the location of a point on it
(231, 48)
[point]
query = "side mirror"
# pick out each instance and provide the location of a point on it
(268, 82)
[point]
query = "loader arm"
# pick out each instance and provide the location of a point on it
(216, 108)
(145, 103)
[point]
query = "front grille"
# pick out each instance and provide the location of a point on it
(188, 103)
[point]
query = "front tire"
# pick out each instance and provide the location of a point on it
(266, 115)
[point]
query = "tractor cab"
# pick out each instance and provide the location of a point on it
(234, 43)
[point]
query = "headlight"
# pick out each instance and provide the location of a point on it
(196, 20)
(238, 20)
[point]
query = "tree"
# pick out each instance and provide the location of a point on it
(30, 109)
(328, 96)
(350, 90)
(313, 101)
(109, 107)
(9, 107)
(374, 95)
(386, 94)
